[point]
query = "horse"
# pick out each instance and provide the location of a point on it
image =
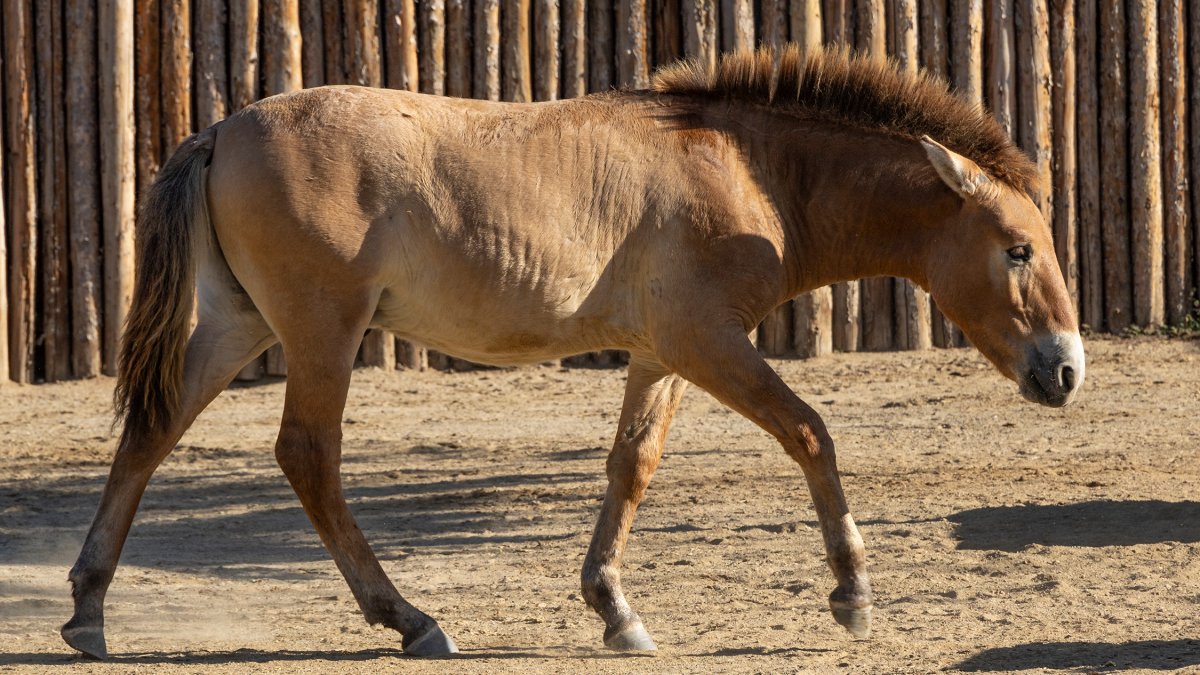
(667, 222)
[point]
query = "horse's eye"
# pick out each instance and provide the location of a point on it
(1020, 253)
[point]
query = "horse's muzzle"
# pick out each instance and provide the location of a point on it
(1054, 371)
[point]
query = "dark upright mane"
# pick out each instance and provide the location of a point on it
(869, 93)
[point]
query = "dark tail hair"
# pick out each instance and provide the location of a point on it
(150, 369)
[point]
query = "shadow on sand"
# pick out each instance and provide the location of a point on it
(1088, 656)
(1095, 523)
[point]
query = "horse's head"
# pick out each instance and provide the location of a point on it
(993, 271)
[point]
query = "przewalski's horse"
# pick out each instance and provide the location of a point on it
(665, 222)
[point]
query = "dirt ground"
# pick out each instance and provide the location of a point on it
(1001, 536)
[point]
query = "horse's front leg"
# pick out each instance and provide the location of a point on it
(651, 396)
(731, 369)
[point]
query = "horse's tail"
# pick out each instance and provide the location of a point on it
(173, 210)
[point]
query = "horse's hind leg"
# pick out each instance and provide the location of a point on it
(309, 452)
(215, 353)
(651, 396)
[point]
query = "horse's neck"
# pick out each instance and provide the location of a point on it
(853, 204)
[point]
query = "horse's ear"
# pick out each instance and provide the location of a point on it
(961, 174)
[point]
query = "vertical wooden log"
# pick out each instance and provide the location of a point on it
(812, 312)
(517, 85)
(82, 171)
(361, 19)
(1193, 32)
(487, 50)
(773, 22)
(282, 58)
(176, 74)
(1087, 118)
(458, 48)
(876, 293)
(243, 53)
(312, 45)
(912, 327)
(737, 25)
(212, 98)
(934, 44)
(149, 105)
(546, 25)
(52, 202)
(403, 71)
(333, 29)
(1033, 73)
(1145, 190)
(700, 31)
(4, 304)
(118, 175)
(839, 29)
(966, 62)
(1177, 271)
(574, 48)
(1002, 76)
(1062, 65)
(633, 56)
(1114, 168)
(432, 36)
(668, 31)
(775, 332)
(836, 16)
(805, 19)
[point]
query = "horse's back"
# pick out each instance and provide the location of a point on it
(497, 232)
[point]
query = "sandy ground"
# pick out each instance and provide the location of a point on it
(1001, 536)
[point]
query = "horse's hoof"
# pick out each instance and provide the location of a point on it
(87, 639)
(857, 620)
(434, 642)
(631, 638)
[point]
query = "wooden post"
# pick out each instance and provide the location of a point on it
(1145, 193)
(934, 45)
(4, 304)
(700, 31)
(1178, 272)
(805, 19)
(876, 293)
(966, 61)
(1033, 73)
(176, 75)
(737, 24)
(458, 48)
(118, 176)
(774, 22)
(911, 302)
(837, 16)
(1114, 168)
(1087, 116)
(1193, 31)
(283, 68)
(668, 31)
(515, 55)
(487, 50)
(1062, 65)
(403, 71)
(148, 109)
(52, 196)
(212, 98)
(432, 37)
(633, 59)
(601, 68)
(812, 312)
(312, 46)
(332, 32)
(574, 48)
(243, 53)
(1002, 76)
(546, 23)
(82, 173)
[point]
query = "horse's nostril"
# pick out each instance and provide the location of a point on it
(1066, 377)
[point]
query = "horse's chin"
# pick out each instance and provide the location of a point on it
(1033, 391)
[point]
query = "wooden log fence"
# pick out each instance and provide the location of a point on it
(1104, 96)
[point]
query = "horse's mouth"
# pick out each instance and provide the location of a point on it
(1034, 391)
